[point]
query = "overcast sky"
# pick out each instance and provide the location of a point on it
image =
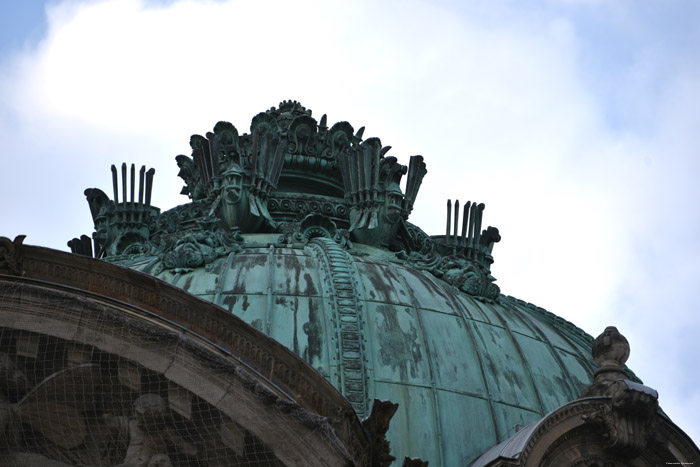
(577, 123)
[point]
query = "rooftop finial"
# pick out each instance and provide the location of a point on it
(121, 222)
(472, 243)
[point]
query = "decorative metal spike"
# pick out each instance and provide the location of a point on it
(449, 218)
(115, 183)
(465, 220)
(470, 231)
(123, 182)
(477, 227)
(133, 182)
(142, 172)
(454, 236)
(149, 186)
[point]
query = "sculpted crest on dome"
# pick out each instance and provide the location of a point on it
(292, 176)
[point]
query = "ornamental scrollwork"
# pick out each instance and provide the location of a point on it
(313, 226)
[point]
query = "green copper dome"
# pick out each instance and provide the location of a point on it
(460, 368)
(302, 231)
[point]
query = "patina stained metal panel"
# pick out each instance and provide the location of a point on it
(248, 273)
(450, 343)
(456, 429)
(505, 369)
(551, 381)
(399, 354)
(250, 308)
(381, 283)
(412, 431)
(470, 309)
(577, 370)
(429, 292)
(296, 273)
(557, 338)
(297, 323)
(204, 280)
(509, 420)
(507, 316)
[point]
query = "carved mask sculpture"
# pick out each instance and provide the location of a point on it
(393, 198)
(234, 204)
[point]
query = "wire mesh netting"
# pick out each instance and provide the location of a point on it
(63, 402)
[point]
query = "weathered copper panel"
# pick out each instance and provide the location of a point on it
(455, 430)
(450, 343)
(470, 309)
(577, 370)
(399, 353)
(204, 280)
(502, 314)
(506, 372)
(511, 419)
(413, 429)
(295, 273)
(250, 308)
(297, 323)
(248, 273)
(381, 283)
(430, 293)
(556, 337)
(552, 384)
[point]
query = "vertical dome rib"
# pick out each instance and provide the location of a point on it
(538, 332)
(436, 405)
(463, 314)
(270, 288)
(525, 363)
(351, 348)
(331, 315)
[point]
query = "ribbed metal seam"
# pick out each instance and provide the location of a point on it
(351, 348)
